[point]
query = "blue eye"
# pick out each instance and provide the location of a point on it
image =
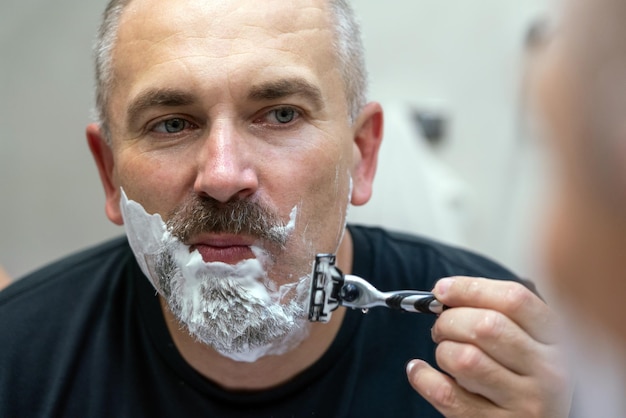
(281, 115)
(284, 114)
(171, 126)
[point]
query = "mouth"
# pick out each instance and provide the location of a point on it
(224, 249)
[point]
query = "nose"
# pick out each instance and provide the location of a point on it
(226, 168)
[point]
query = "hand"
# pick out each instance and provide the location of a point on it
(497, 342)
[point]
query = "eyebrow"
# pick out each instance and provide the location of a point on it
(156, 98)
(278, 89)
(271, 90)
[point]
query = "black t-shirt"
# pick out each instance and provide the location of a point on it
(85, 337)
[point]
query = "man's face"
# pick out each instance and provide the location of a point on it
(224, 101)
(221, 103)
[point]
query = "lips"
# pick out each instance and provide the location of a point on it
(225, 249)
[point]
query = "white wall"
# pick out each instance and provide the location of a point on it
(51, 199)
(462, 57)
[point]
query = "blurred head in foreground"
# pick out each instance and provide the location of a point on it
(581, 89)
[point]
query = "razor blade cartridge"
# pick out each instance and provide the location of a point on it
(326, 284)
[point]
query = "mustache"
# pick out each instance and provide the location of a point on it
(203, 214)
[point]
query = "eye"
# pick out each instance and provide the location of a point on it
(282, 115)
(172, 126)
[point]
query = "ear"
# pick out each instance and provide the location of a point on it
(368, 135)
(103, 155)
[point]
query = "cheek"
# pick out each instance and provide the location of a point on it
(322, 188)
(157, 183)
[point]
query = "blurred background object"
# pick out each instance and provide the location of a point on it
(414, 189)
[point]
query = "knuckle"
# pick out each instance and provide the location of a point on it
(445, 397)
(468, 358)
(517, 296)
(491, 326)
(471, 287)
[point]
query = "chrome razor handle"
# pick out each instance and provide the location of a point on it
(410, 301)
(358, 293)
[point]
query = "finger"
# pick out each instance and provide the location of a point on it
(491, 331)
(445, 394)
(514, 300)
(478, 373)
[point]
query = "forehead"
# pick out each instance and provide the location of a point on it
(267, 33)
(223, 18)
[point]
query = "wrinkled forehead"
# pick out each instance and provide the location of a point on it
(224, 38)
(221, 19)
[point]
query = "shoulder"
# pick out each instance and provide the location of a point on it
(67, 273)
(61, 324)
(378, 251)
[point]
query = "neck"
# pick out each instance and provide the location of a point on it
(268, 371)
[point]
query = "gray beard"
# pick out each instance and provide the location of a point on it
(227, 317)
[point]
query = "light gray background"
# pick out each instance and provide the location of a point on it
(460, 57)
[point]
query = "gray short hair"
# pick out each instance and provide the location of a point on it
(348, 44)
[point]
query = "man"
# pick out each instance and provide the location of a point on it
(233, 137)
(581, 87)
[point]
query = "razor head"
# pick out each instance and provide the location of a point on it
(326, 282)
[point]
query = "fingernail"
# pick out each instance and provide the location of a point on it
(414, 365)
(442, 286)
(410, 366)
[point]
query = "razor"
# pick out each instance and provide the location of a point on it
(330, 288)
